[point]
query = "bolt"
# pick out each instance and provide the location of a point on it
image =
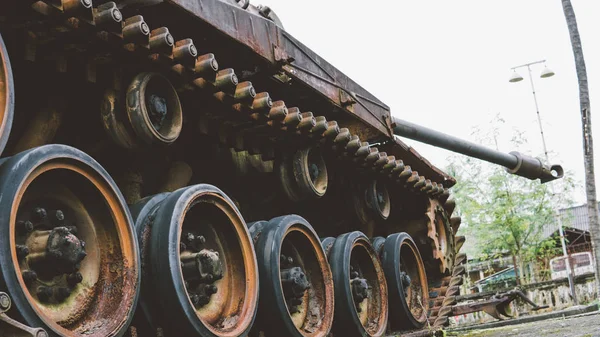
(211, 289)
(24, 226)
(200, 239)
(4, 301)
(195, 298)
(193, 50)
(169, 39)
(116, 14)
(405, 279)
(203, 300)
(22, 251)
(58, 218)
(214, 64)
(39, 213)
(82, 254)
(75, 278)
(145, 29)
(62, 293)
(44, 293)
(189, 237)
(353, 275)
(29, 276)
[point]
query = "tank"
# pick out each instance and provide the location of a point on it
(189, 168)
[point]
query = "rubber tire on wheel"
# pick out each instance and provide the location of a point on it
(347, 321)
(301, 167)
(391, 261)
(165, 299)
(21, 171)
(269, 238)
(7, 97)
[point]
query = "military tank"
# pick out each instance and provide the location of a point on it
(188, 168)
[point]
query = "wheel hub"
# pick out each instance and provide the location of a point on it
(294, 283)
(201, 269)
(360, 288)
(52, 252)
(157, 108)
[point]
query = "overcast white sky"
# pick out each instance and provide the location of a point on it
(446, 64)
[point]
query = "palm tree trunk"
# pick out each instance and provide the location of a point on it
(588, 147)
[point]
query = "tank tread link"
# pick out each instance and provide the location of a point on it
(133, 90)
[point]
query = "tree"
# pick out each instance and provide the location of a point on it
(503, 214)
(588, 145)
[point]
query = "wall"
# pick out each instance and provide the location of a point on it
(555, 294)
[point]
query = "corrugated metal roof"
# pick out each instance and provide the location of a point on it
(574, 217)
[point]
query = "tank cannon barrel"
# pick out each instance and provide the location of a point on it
(514, 162)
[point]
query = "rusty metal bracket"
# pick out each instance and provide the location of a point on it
(11, 328)
(497, 306)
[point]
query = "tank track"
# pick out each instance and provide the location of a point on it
(249, 139)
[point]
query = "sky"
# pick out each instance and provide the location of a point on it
(446, 64)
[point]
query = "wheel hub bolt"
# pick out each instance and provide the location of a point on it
(22, 251)
(58, 218)
(29, 276)
(182, 246)
(195, 299)
(62, 293)
(211, 289)
(24, 226)
(286, 260)
(44, 293)
(74, 279)
(405, 279)
(189, 237)
(40, 213)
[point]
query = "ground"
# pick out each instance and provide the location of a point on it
(576, 326)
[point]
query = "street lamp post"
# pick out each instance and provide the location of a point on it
(546, 72)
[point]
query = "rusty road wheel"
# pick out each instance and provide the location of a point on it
(68, 252)
(361, 307)
(370, 202)
(199, 263)
(406, 279)
(310, 172)
(7, 96)
(296, 282)
(378, 199)
(149, 114)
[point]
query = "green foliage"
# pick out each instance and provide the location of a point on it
(504, 214)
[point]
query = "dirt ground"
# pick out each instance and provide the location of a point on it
(576, 326)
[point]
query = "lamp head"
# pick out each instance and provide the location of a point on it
(515, 77)
(547, 72)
